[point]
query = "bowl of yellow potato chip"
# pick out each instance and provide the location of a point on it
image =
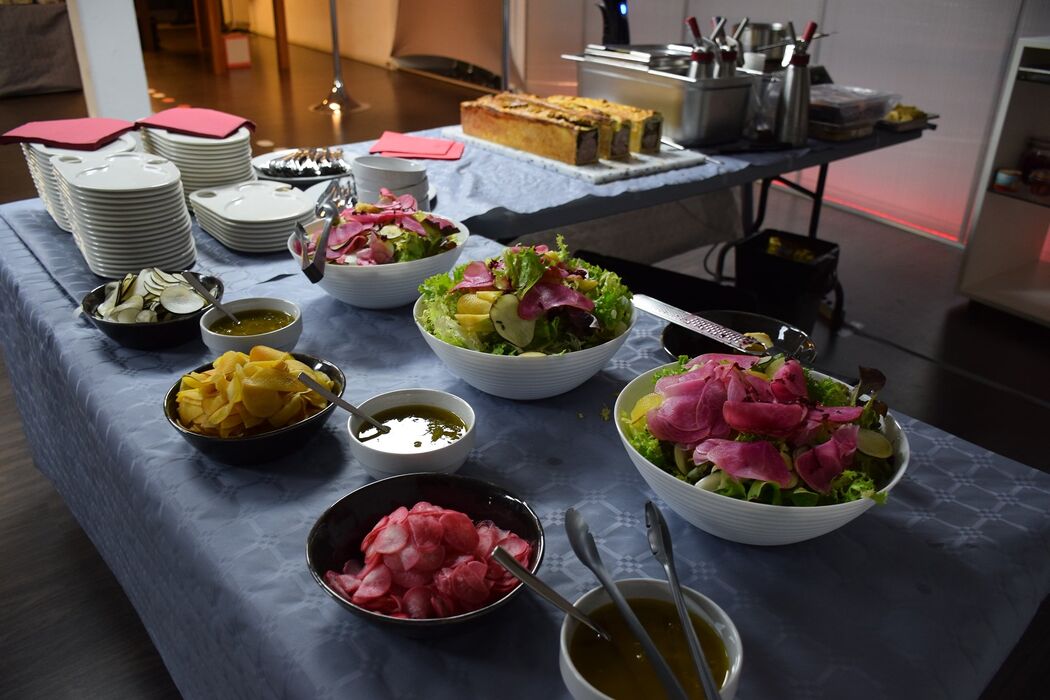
(251, 408)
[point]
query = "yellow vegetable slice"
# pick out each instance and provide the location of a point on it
(473, 304)
(261, 401)
(262, 353)
(644, 405)
(874, 443)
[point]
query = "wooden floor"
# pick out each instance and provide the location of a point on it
(67, 630)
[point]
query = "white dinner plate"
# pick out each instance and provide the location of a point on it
(164, 136)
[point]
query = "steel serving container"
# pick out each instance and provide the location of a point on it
(696, 112)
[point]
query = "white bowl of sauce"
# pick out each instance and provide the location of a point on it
(430, 431)
(276, 323)
(594, 669)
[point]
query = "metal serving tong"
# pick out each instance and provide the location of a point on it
(660, 545)
(336, 196)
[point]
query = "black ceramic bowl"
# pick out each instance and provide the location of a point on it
(150, 336)
(256, 449)
(337, 535)
(786, 338)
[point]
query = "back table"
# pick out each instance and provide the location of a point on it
(923, 597)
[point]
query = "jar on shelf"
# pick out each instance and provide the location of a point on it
(1036, 157)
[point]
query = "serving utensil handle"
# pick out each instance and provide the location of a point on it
(508, 562)
(339, 401)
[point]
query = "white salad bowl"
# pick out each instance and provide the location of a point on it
(383, 286)
(744, 521)
(651, 589)
(524, 378)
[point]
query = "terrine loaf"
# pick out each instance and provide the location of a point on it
(646, 125)
(531, 124)
(614, 134)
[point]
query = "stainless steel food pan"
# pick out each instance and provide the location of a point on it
(696, 112)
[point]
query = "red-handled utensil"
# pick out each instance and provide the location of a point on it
(807, 34)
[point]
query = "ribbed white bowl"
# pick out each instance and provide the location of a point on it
(384, 286)
(743, 521)
(522, 377)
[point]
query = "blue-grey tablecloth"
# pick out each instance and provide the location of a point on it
(923, 597)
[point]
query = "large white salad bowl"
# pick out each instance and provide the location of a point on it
(383, 286)
(744, 521)
(524, 378)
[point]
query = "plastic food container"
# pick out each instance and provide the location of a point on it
(842, 104)
(840, 132)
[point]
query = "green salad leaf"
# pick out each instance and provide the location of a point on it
(461, 316)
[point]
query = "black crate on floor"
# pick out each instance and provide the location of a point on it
(789, 274)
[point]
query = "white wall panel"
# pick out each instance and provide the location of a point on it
(947, 56)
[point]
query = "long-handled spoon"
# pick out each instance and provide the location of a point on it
(582, 543)
(508, 562)
(660, 544)
(195, 282)
(341, 403)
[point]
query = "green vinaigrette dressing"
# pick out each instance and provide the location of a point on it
(413, 428)
(620, 668)
(252, 322)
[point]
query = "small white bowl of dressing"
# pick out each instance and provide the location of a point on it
(430, 431)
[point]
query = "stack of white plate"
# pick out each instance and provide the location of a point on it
(204, 162)
(38, 158)
(252, 217)
(127, 211)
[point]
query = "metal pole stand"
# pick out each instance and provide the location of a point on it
(337, 100)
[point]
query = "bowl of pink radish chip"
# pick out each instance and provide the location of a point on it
(761, 450)
(413, 552)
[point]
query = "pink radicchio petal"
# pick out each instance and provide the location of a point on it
(690, 418)
(545, 296)
(364, 258)
(407, 202)
(758, 388)
(440, 222)
(409, 223)
(774, 419)
(345, 232)
(382, 251)
(819, 466)
(789, 382)
(743, 361)
(476, 277)
(745, 460)
(814, 427)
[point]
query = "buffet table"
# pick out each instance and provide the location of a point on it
(505, 198)
(923, 597)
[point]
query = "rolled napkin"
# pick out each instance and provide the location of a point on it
(398, 145)
(86, 134)
(197, 121)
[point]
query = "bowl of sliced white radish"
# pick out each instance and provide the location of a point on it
(150, 309)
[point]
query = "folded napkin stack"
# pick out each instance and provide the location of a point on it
(397, 145)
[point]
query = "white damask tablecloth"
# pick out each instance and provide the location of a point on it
(923, 597)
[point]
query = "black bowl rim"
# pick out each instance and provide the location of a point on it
(674, 326)
(430, 622)
(90, 312)
(169, 400)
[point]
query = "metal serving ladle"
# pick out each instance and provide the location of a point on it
(582, 543)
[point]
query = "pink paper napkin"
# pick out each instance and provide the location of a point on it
(87, 134)
(407, 146)
(454, 153)
(197, 121)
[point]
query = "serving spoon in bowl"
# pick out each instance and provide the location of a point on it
(341, 402)
(508, 562)
(582, 543)
(194, 281)
(660, 545)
